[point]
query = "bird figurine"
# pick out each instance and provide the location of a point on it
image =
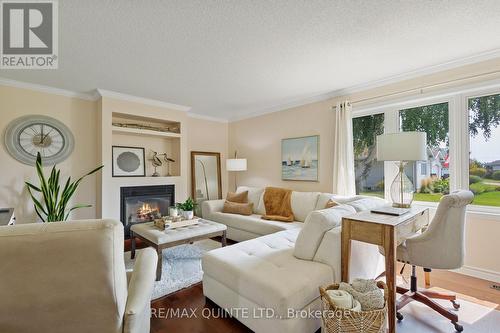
(156, 161)
(168, 160)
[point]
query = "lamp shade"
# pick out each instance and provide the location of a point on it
(236, 164)
(403, 146)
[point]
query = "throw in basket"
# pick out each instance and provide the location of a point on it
(340, 320)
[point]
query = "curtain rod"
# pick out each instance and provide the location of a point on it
(421, 89)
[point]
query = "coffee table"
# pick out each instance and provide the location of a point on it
(162, 239)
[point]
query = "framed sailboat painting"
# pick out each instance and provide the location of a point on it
(300, 158)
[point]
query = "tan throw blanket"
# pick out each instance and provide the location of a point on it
(278, 203)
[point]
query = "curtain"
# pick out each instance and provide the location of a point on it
(343, 151)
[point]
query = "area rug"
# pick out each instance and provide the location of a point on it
(475, 318)
(181, 266)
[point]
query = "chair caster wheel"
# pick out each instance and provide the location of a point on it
(399, 316)
(456, 305)
(458, 328)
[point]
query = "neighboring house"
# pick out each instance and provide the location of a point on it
(437, 165)
(494, 166)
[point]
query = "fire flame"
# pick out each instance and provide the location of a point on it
(146, 210)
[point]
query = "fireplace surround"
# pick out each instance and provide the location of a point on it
(140, 204)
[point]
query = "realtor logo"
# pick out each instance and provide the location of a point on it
(29, 34)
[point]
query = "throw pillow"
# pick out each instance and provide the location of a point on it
(241, 197)
(238, 208)
(331, 204)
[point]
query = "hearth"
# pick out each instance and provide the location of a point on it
(140, 204)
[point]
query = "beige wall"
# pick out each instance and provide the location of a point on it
(80, 116)
(208, 136)
(84, 120)
(259, 140)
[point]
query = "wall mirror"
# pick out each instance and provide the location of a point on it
(206, 181)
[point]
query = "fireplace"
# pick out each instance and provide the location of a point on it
(140, 204)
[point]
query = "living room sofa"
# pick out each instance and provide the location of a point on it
(269, 281)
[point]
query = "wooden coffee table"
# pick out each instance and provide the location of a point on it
(162, 239)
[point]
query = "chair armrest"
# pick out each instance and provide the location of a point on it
(138, 307)
(209, 207)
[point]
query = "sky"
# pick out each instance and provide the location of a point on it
(486, 151)
(294, 148)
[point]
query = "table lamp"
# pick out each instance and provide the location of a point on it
(236, 164)
(402, 147)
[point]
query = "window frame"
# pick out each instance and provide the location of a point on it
(458, 115)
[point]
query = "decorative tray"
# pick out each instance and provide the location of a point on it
(180, 224)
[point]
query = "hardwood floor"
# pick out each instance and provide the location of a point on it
(193, 309)
(197, 314)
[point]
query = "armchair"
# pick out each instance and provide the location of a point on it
(440, 246)
(70, 277)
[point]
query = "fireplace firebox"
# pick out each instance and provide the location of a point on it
(140, 204)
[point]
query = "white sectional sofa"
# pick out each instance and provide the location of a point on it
(269, 281)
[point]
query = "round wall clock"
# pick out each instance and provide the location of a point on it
(28, 135)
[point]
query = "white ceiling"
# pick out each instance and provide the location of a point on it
(228, 59)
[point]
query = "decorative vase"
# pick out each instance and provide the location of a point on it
(188, 214)
(173, 211)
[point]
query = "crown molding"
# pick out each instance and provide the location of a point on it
(142, 100)
(470, 60)
(46, 89)
(484, 56)
(284, 106)
(209, 118)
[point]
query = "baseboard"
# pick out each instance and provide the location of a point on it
(480, 273)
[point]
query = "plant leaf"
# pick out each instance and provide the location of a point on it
(76, 207)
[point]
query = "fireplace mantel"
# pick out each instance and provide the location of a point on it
(109, 200)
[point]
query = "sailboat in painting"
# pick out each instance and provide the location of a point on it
(305, 160)
(299, 159)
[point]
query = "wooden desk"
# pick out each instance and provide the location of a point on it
(386, 231)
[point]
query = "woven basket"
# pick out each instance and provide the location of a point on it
(340, 320)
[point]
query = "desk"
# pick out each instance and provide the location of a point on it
(386, 231)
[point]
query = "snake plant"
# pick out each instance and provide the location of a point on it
(53, 203)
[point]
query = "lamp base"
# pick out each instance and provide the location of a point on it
(398, 205)
(402, 189)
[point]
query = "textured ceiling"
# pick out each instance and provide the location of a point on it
(229, 59)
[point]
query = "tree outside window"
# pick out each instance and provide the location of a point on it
(484, 161)
(431, 177)
(369, 171)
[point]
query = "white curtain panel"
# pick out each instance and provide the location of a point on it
(343, 151)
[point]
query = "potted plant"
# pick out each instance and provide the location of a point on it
(52, 203)
(187, 208)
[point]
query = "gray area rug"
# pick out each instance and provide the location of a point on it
(181, 266)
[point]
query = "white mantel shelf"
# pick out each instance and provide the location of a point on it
(146, 180)
(140, 131)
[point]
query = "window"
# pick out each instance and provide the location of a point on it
(423, 168)
(432, 119)
(467, 121)
(369, 171)
(484, 160)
